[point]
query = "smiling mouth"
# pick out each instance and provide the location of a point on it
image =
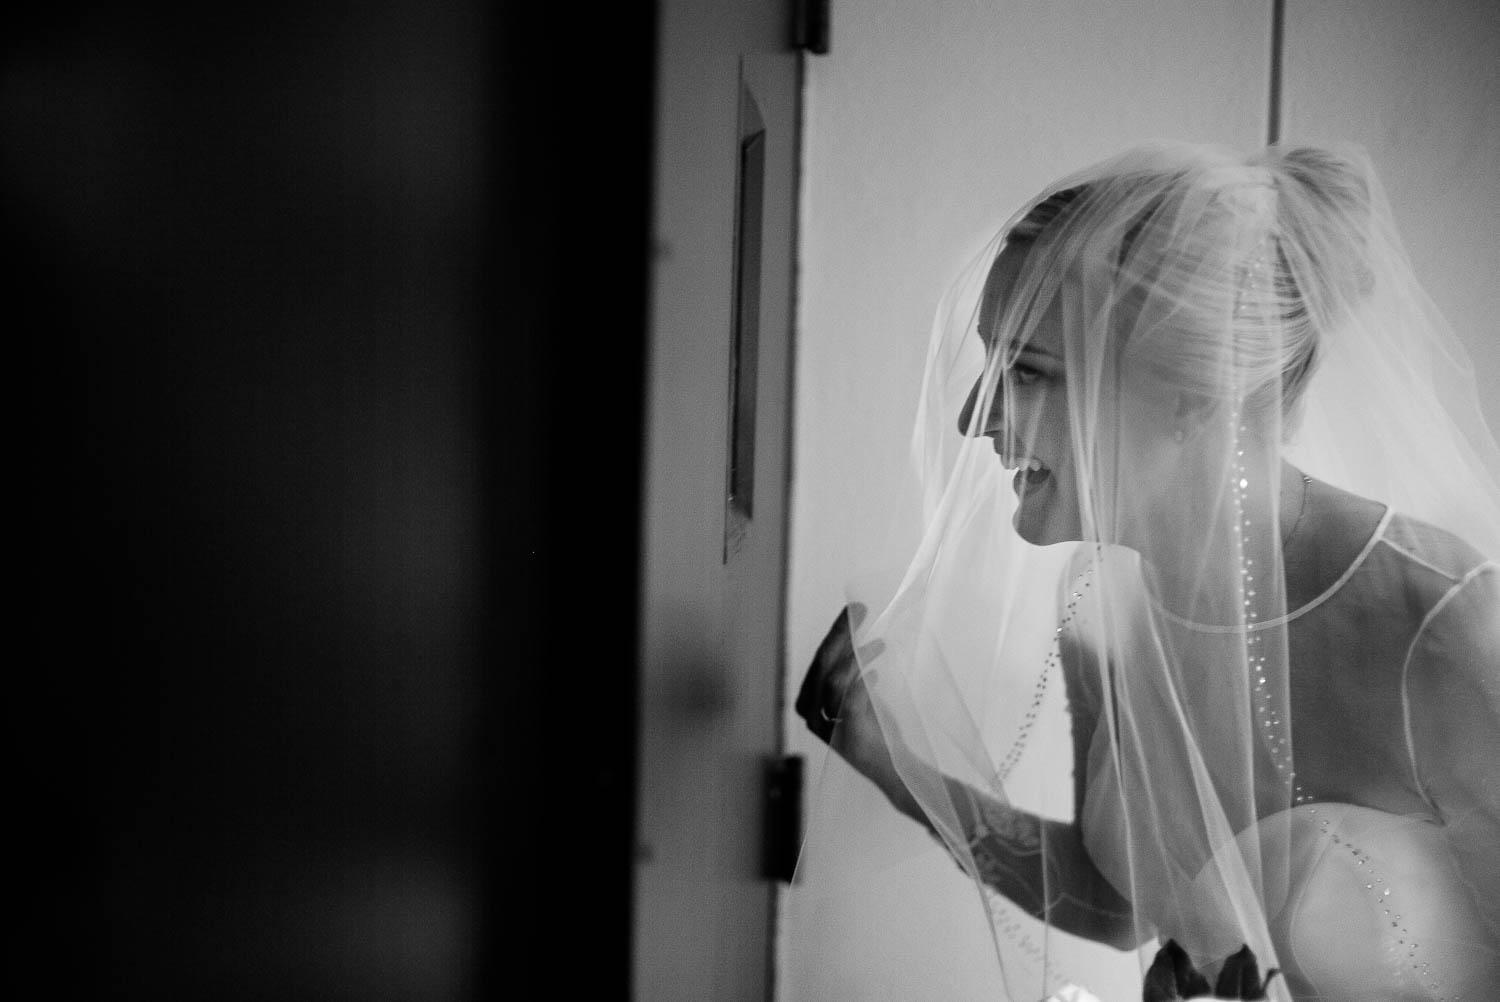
(1030, 471)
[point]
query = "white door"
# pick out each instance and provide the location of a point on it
(715, 497)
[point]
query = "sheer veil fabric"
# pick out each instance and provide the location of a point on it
(1199, 641)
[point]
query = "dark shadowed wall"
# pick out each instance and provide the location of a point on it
(329, 584)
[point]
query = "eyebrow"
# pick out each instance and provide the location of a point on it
(1030, 349)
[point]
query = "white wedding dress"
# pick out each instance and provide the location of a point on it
(1380, 887)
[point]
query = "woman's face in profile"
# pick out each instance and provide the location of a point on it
(1030, 420)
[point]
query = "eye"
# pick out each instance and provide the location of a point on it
(1023, 374)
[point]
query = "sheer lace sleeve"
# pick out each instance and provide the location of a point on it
(1452, 701)
(1081, 678)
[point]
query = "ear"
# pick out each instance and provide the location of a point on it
(1191, 414)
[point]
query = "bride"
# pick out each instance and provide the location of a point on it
(1206, 488)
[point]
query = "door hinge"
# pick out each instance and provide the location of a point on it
(810, 26)
(782, 818)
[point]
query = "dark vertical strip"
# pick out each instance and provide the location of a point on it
(248, 280)
(749, 235)
(773, 981)
(567, 340)
(332, 321)
(1273, 111)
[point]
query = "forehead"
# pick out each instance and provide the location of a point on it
(1043, 329)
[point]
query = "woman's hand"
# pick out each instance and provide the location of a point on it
(833, 671)
(835, 704)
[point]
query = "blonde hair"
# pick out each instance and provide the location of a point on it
(1292, 225)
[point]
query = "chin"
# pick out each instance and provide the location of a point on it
(1044, 530)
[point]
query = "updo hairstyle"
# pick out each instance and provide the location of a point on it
(1271, 252)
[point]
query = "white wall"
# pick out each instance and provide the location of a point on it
(1417, 83)
(927, 124)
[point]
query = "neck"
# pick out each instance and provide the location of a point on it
(1203, 566)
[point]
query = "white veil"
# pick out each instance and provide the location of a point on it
(1183, 344)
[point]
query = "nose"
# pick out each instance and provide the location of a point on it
(991, 424)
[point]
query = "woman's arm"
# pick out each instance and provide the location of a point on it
(1043, 867)
(1039, 864)
(1452, 692)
